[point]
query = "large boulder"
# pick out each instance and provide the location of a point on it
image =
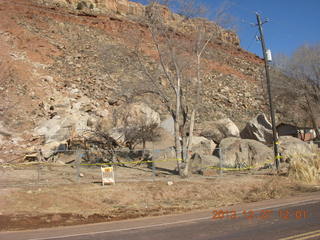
(69, 121)
(202, 145)
(291, 147)
(164, 154)
(3, 131)
(168, 125)
(136, 114)
(129, 120)
(259, 129)
(55, 129)
(103, 124)
(118, 134)
(218, 130)
(59, 127)
(4, 134)
(52, 148)
(71, 117)
(199, 163)
(236, 152)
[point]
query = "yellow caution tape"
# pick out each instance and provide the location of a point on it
(239, 169)
(87, 164)
(130, 162)
(231, 169)
(133, 162)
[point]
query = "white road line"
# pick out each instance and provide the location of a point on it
(124, 229)
(169, 223)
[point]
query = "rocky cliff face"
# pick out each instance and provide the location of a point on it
(137, 11)
(60, 59)
(122, 7)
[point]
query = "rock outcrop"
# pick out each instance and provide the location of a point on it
(168, 125)
(202, 146)
(218, 130)
(291, 147)
(138, 11)
(200, 163)
(136, 114)
(236, 152)
(259, 129)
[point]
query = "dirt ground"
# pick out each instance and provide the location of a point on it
(57, 197)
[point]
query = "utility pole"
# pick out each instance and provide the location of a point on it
(273, 121)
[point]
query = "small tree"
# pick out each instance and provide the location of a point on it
(96, 144)
(139, 134)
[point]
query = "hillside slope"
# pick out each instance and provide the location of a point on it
(58, 61)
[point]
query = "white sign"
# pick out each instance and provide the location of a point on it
(107, 175)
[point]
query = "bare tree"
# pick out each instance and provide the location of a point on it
(303, 67)
(174, 69)
(96, 144)
(140, 134)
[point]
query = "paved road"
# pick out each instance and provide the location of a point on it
(287, 219)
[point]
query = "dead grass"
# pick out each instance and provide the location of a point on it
(276, 187)
(87, 203)
(305, 168)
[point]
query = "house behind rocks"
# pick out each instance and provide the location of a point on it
(305, 134)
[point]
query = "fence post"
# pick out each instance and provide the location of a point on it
(153, 170)
(220, 161)
(115, 164)
(39, 169)
(153, 165)
(77, 165)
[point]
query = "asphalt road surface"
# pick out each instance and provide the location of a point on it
(286, 219)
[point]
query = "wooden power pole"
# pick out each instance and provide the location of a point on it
(272, 112)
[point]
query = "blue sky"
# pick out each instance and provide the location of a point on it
(292, 22)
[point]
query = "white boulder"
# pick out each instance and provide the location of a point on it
(202, 145)
(218, 130)
(259, 129)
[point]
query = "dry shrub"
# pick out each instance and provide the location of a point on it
(305, 168)
(270, 190)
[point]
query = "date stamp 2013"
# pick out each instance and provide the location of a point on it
(284, 214)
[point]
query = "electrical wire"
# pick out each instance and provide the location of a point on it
(252, 41)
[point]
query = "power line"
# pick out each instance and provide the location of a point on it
(244, 9)
(252, 41)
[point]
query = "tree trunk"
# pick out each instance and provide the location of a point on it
(143, 149)
(187, 145)
(177, 134)
(177, 145)
(313, 117)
